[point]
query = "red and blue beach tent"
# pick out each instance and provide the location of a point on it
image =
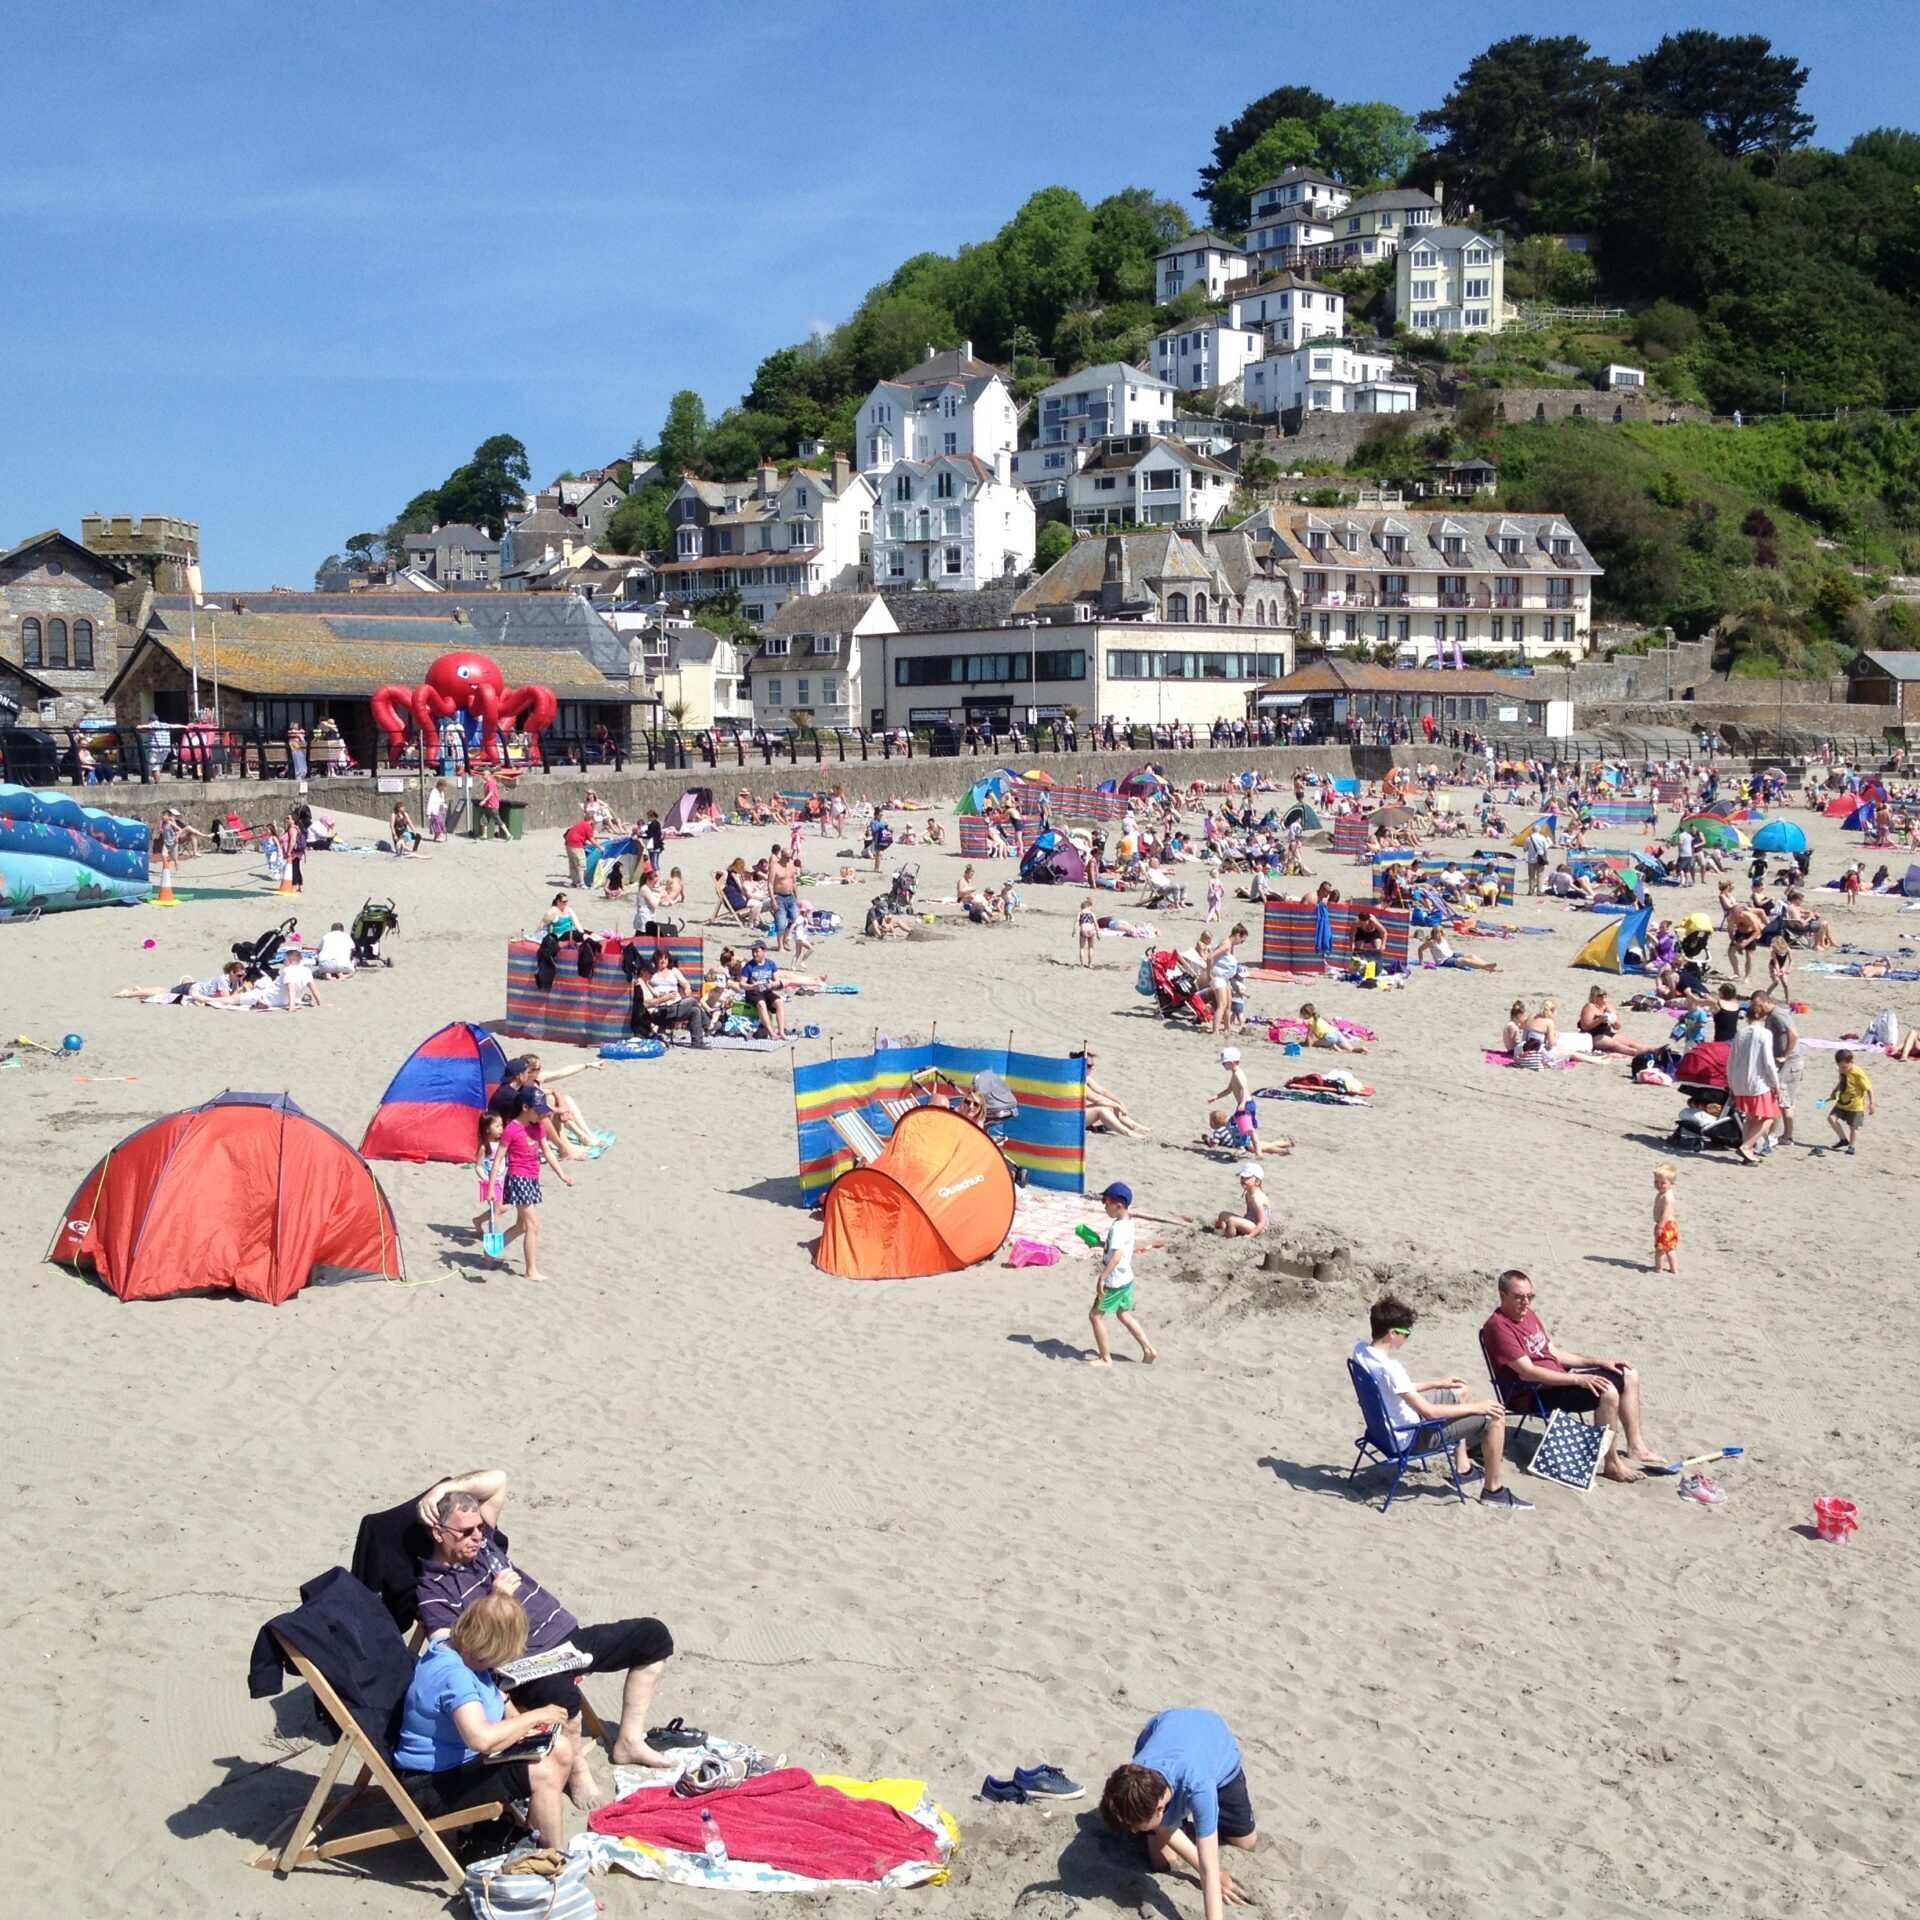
(432, 1110)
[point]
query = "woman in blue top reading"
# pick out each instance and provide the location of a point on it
(1185, 1767)
(456, 1721)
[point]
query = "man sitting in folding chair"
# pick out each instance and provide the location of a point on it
(470, 1558)
(1409, 1402)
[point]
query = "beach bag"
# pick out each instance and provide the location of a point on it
(1032, 1253)
(1883, 1030)
(532, 1884)
(1143, 980)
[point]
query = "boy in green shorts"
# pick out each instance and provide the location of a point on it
(1852, 1099)
(1113, 1290)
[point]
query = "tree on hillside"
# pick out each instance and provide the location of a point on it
(1745, 96)
(1519, 133)
(1367, 143)
(1054, 539)
(488, 490)
(890, 333)
(1046, 258)
(1129, 228)
(683, 438)
(1230, 142)
(740, 440)
(1287, 143)
(363, 550)
(639, 522)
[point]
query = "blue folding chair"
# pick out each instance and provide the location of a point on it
(1521, 1398)
(1387, 1446)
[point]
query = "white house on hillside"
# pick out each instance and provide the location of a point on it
(1098, 402)
(1449, 280)
(1375, 226)
(1300, 190)
(949, 403)
(1147, 480)
(1288, 310)
(769, 537)
(1200, 260)
(1212, 352)
(1327, 376)
(938, 443)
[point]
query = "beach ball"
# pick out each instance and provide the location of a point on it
(72, 1043)
(149, 945)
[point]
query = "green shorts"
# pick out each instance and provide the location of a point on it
(1852, 1118)
(1116, 1299)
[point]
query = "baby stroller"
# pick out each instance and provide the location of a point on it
(1173, 990)
(262, 958)
(371, 925)
(900, 894)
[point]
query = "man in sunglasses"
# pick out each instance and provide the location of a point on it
(1411, 1401)
(470, 1559)
(1556, 1380)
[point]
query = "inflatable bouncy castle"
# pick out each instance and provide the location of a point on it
(56, 854)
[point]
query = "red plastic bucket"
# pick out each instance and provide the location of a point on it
(1834, 1518)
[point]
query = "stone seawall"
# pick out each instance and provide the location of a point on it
(553, 799)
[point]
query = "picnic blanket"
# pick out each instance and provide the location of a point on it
(818, 1830)
(1328, 1089)
(1287, 1028)
(1500, 1057)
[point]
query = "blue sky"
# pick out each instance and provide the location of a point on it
(276, 268)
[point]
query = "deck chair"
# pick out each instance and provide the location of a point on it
(344, 1645)
(1520, 1397)
(862, 1142)
(726, 914)
(1389, 1448)
(896, 1110)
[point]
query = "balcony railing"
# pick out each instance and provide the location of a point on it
(1455, 599)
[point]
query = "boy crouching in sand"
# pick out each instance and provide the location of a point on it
(1113, 1290)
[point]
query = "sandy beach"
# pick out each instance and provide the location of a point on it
(900, 1529)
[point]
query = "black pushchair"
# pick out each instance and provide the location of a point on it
(900, 894)
(262, 958)
(371, 925)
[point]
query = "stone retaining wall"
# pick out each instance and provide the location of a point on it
(553, 799)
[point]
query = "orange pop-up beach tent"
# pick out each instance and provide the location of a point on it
(939, 1198)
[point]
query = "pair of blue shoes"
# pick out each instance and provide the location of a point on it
(1032, 1783)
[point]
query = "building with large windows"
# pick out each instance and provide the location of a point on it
(1429, 582)
(1450, 280)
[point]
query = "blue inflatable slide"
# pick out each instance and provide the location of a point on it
(56, 854)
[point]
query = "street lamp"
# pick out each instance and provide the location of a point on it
(1031, 621)
(1783, 390)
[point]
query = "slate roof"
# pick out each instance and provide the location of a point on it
(1116, 456)
(941, 368)
(493, 620)
(1896, 666)
(936, 612)
(462, 538)
(1287, 282)
(303, 656)
(1423, 532)
(53, 537)
(1357, 676)
(1392, 200)
(1206, 237)
(820, 613)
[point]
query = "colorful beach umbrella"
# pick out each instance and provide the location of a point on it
(1711, 831)
(1780, 836)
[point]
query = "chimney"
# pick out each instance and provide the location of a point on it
(769, 477)
(966, 349)
(842, 473)
(927, 352)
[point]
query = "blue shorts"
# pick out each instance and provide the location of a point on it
(786, 911)
(522, 1190)
(1246, 1120)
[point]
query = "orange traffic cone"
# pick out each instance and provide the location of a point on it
(164, 898)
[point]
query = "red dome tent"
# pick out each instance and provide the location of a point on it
(432, 1110)
(246, 1194)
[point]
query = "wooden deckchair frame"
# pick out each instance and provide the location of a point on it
(303, 1843)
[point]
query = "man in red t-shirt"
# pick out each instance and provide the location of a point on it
(578, 838)
(1517, 1350)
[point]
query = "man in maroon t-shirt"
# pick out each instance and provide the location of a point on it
(1518, 1350)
